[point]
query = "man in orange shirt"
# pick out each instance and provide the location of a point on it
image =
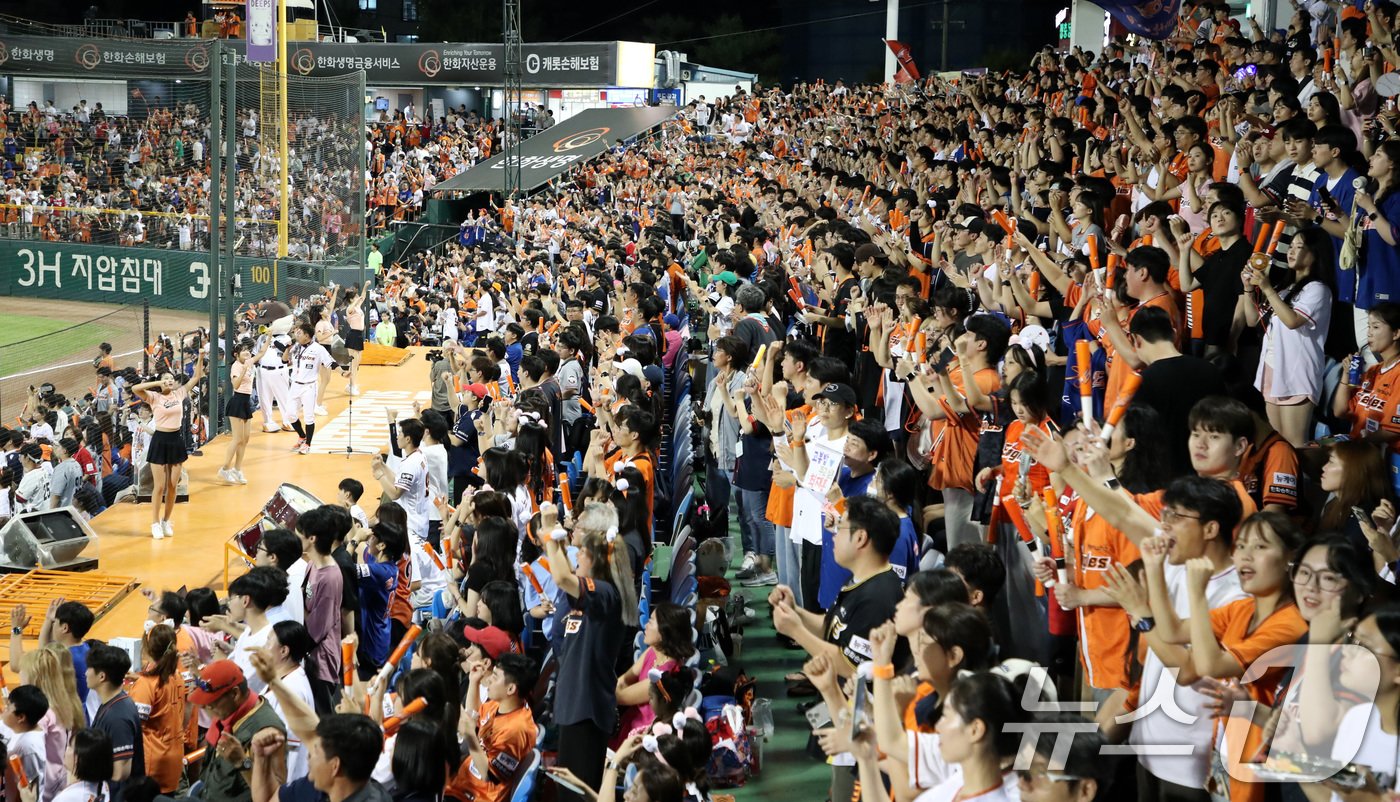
(505, 728)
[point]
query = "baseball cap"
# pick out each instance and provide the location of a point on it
(728, 277)
(633, 367)
(840, 393)
(478, 390)
(672, 321)
(972, 224)
(215, 680)
(492, 640)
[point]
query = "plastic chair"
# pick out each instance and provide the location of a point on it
(686, 590)
(682, 509)
(523, 786)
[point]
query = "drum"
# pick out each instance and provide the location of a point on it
(282, 511)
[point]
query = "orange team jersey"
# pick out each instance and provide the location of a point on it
(955, 437)
(1038, 478)
(1206, 244)
(1103, 631)
(507, 739)
(1118, 369)
(161, 709)
(780, 499)
(1270, 472)
(1232, 627)
(641, 462)
(1376, 406)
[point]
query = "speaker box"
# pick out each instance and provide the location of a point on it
(59, 540)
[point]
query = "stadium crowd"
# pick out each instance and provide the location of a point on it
(1055, 410)
(143, 178)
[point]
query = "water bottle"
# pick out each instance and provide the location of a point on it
(1354, 370)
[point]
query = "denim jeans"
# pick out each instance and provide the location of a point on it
(788, 558)
(736, 496)
(757, 530)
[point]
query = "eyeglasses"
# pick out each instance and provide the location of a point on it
(1327, 581)
(1171, 516)
(825, 403)
(1351, 640)
(1032, 776)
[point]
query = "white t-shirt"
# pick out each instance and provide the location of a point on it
(949, 789)
(413, 481)
(927, 768)
(1361, 740)
(84, 792)
(294, 608)
(435, 457)
(248, 643)
(300, 687)
(1157, 727)
(29, 748)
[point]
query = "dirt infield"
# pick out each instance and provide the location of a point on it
(65, 358)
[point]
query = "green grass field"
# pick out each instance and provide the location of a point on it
(77, 344)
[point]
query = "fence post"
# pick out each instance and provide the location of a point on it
(145, 337)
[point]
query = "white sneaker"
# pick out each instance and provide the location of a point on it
(748, 567)
(299, 444)
(303, 448)
(271, 427)
(169, 529)
(157, 531)
(242, 480)
(228, 475)
(321, 411)
(353, 390)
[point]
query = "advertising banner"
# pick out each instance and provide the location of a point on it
(114, 275)
(545, 64)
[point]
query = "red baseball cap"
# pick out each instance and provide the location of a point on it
(493, 640)
(215, 680)
(478, 390)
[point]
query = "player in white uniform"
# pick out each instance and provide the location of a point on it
(272, 381)
(308, 358)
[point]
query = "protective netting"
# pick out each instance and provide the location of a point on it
(324, 148)
(67, 358)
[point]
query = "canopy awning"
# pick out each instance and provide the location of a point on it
(554, 150)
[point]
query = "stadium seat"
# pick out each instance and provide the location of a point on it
(522, 788)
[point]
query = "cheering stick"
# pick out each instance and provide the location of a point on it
(1262, 241)
(347, 662)
(1092, 242)
(1125, 397)
(17, 766)
(195, 755)
(1001, 219)
(1086, 381)
(1277, 235)
(1052, 528)
(392, 724)
(432, 552)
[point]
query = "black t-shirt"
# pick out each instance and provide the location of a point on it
(754, 331)
(478, 575)
(1172, 387)
(1219, 276)
(592, 638)
(860, 608)
(840, 342)
(349, 580)
(119, 719)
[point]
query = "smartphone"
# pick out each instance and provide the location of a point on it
(858, 709)
(566, 785)
(1324, 196)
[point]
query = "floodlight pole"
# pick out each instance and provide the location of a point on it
(283, 193)
(216, 112)
(514, 69)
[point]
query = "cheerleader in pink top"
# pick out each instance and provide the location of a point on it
(166, 453)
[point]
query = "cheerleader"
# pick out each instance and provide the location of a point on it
(239, 409)
(166, 452)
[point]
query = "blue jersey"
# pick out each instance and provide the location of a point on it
(833, 576)
(377, 581)
(905, 556)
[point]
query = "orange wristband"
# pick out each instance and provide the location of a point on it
(884, 672)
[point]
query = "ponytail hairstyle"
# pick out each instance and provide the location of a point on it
(630, 497)
(613, 563)
(668, 691)
(993, 700)
(159, 643)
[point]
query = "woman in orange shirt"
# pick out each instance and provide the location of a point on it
(1372, 400)
(1228, 640)
(159, 694)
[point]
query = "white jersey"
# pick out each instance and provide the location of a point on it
(412, 479)
(307, 362)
